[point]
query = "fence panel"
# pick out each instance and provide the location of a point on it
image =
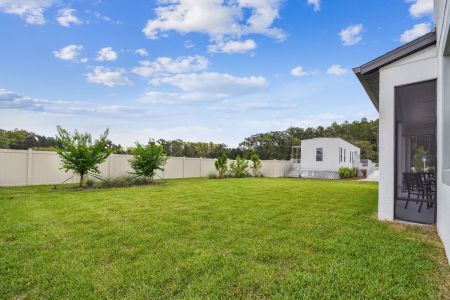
(174, 168)
(46, 169)
(119, 165)
(192, 167)
(208, 166)
(13, 167)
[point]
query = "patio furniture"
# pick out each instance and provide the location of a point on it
(422, 186)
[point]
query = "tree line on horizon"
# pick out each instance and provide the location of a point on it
(269, 145)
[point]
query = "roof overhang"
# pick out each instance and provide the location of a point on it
(369, 73)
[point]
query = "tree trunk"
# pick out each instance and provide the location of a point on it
(81, 179)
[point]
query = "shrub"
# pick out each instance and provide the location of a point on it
(79, 153)
(255, 165)
(344, 173)
(364, 173)
(90, 182)
(147, 159)
(238, 167)
(213, 175)
(221, 165)
(354, 172)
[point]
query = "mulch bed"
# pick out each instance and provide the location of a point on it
(118, 186)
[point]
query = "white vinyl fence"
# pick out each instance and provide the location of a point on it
(28, 167)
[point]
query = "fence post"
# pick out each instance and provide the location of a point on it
(274, 168)
(201, 160)
(110, 165)
(30, 166)
(184, 161)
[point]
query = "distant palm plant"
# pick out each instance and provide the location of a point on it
(238, 167)
(221, 165)
(255, 165)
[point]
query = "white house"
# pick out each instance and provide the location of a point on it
(323, 157)
(410, 87)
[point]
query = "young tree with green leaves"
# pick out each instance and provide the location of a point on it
(79, 153)
(255, 164)
(417, 160)
(221, 165)
(147, 159)
(238, 167)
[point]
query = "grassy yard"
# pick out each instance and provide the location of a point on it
(246, 238)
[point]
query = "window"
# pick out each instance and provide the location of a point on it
(340, 154)
(345, 155)
(319, 154)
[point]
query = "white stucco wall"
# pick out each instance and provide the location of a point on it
(421, 66)
(443, 121)
(330, 154)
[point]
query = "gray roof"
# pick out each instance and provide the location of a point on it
(369, 75)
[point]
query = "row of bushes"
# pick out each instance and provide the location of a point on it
(348, 173)
(237, 168)
(82, 155)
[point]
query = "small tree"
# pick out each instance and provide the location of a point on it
(238, 167)
(255, 165)
(147, 159)
(418, 159)
(79, 153)
(221, 165)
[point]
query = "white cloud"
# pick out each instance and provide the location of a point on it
(189, 44)
(351, 35)
(214, 82)
(30, 10)
(101, 17)
(230, 47)
(298, 72)
(420, 8)
(324, 119)
(142, 52)
(244, 107)
(187, 132)
(178, 97)
(204, 87)
(216, 18)
(315, 4)
(105, 76)
(70, 52)
(167, 65)
(417, 31)
(66, 17)
(106, 54)
(11, 100)
(337, 70)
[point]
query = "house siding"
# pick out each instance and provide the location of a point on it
(443, 121)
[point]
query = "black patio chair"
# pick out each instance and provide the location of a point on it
(420, 186)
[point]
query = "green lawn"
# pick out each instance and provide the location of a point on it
(246, 238)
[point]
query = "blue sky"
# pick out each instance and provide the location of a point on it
(200, 70)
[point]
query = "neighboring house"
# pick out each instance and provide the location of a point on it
(322, 157)
(410, 87)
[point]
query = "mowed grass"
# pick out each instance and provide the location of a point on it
(233, 238)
